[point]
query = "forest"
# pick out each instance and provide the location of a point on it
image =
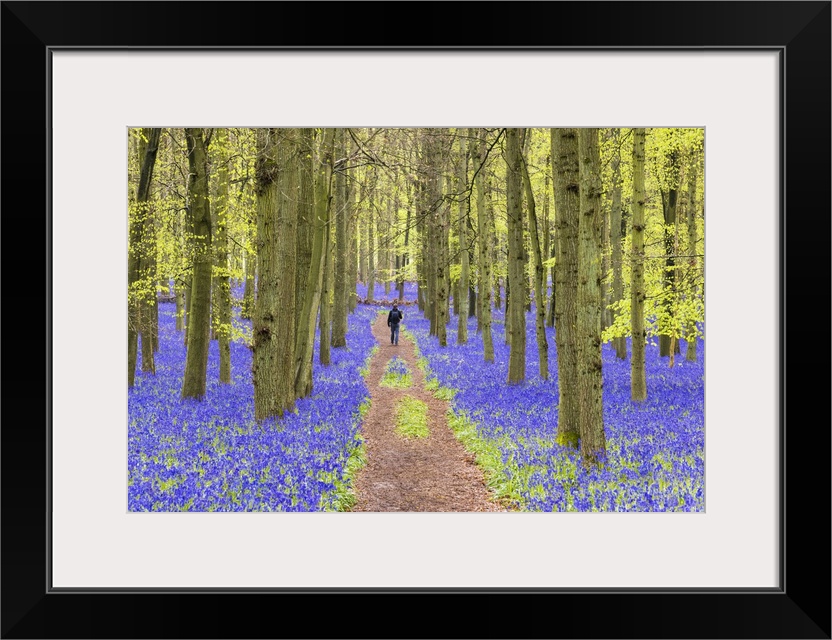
(551, 351)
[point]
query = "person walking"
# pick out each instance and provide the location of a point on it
(393, 319)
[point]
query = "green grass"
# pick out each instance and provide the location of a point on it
(412, 418)
(393, 380)
(488, 456)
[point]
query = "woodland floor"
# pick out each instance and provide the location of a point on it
(433, 474)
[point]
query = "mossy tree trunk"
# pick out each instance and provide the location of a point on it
(441, 218)
(247, 306)
(478, 151)
(516, 272)
(616, 234)
(548, 251)
(341, 255)
(371, 245)
(462, 213)
(325, 337)
(307, 276)
(305, 231)
(590, 247)
(199, 295)
(222, 277)
(690, 352)
(670, 199)
(140, 228)
(273, 326)
(311, 301)
(567, 204)
(353, 240)
(638, 376)
(539, 274)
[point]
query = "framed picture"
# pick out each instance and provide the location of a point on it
(755, 75)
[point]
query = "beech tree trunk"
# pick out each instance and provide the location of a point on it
(616, 233)
(690, 352)
(341, 262)
(273, 327)
(590, 245)
(199, 296)
(462, 212)
(484, 259)
(567, 205)
(312, 291)
(539, 271)
(516, 273)
(638, 375)
(325, 331)
(221, 281)
(147, 150)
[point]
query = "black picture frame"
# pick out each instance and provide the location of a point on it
(799, 608)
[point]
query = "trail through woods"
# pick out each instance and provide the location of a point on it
(432, 474)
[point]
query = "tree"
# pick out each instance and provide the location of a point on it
(478, 155)
(691, 333)
(140, 228)
(462, 213)
(309, 239)
(539, 271)
(638, 375)
(619, 342)
(199, 299)
(669, 191)
(567, 204)
(340, 298)
(221, 280)
(311, 300)
(590, 377)
(371, 248)
(514, 217)
(273, 326)
(326, 287)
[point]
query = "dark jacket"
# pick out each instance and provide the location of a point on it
(394, 316)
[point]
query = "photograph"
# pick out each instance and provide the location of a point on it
(543, 435)
(416, 319)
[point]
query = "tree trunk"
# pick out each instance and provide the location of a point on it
(353, 242)
(247, 307)
(590, 373)
(307, 276)
(567, 204)
(462, 212)
(221, 280)
(179, 298)
(442, 218)
(638, 376)
(539, 298)
(186, 318)
(616, 233)
(404, 260)
(690, 352)
(326, 295)
(483, 245)
(341, 268)
(312, 291)
(371, 248)
(305, 232)
(363, 232)
(147, 150)
(669, 205)
(278, 186)
(199, 296)
(516, 272)
(547, 252)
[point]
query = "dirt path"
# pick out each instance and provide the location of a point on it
(430, 474)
